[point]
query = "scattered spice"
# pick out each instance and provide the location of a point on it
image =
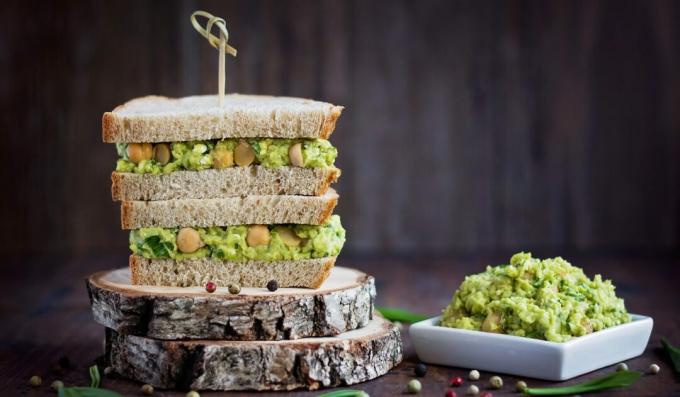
(450, 393)
(420, 370)
(56, 385)
(64, 362)
(496, 382)
(35, 381)
(487, 394)
(654, 369)
(474, 375)
(234, 289)
(472, 390)
(414, 386)
(272, 285)
(456, 381)
(521, 385)
(108, 371)
(621, 367)
(210, 287)
(193, 393)
(147, 390)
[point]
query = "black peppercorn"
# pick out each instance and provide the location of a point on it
(420, 369)
(272, 285)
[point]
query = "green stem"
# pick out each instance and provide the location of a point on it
(617, 379)
(401, 315)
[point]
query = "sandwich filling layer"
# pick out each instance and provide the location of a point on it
(164, 158)
(241, 242)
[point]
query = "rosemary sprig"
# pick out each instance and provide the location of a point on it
(614, 380)
(673, 353)
(401, 315)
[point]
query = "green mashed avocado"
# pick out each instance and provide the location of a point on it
(543, 299)
(229, 243)
(198, 155)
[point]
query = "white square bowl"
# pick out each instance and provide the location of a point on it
(534, 358)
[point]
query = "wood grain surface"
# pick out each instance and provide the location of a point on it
(43, 320)
(469, 125)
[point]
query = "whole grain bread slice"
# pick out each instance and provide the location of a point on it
(303, 273)
(248, 210)
(162, 119)
(228, 182)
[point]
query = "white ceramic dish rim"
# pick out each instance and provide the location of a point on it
(434, 322)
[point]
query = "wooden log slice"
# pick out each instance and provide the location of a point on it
(349, 358)
(344, 302)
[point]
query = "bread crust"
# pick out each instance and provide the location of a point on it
(163, 119)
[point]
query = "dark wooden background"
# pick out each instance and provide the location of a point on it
(469, 126)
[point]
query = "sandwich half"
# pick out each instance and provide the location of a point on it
(192, 148)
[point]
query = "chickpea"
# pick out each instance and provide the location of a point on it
(288, 236)
(188, 240)
(295, 155)
(244, 154)
(137, 152)
(258, 235)
(222, 158)
(161, 153)
(491, 323)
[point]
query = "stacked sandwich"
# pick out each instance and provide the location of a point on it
(237, 194)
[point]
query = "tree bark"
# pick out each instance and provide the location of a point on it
(349, 358)
(343, 303)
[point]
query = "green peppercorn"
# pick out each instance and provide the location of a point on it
(193, 393)
(234, 289)
(496, 382)
(56, 385)
(654, 369)
(521, 385)
(621, 367)
(472, 390)
(473, 375)
(147, 390)
(35, 381)
(414, 386)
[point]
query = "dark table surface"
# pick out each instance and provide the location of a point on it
(44, 314)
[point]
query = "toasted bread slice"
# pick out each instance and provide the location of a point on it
(228, 182)
(161, 119)
(303, 273)
(248, 210)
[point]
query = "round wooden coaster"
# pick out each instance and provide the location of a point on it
(344, 302)
(349, 358)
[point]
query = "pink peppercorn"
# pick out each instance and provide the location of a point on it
(210, 287)
(450, 393)
(456, 381)
(486, 394)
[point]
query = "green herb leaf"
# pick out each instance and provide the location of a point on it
(95, 379)
(345, 393)
(86, 392)
(614, 380)
(401, 315)
(673, 353)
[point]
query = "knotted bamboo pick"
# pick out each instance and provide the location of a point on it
(219, 43)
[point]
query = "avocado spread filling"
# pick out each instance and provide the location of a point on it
(202, 155)
(229, 243)
(543, 299)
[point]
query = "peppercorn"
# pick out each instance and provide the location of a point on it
(496, 382)
(210, 287)
(621, 367)
(193, 393)
(450, 393)
(272, 285)
(456, 381)
(474, 375)
(35, 381)
(64, 362)
(521, 385)
(654, 369)
(147, 390)
(414, 386)
(487, 394)
(234, 289)
(56, 385)
(420, 370)
(108, 371)
(472, 390)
